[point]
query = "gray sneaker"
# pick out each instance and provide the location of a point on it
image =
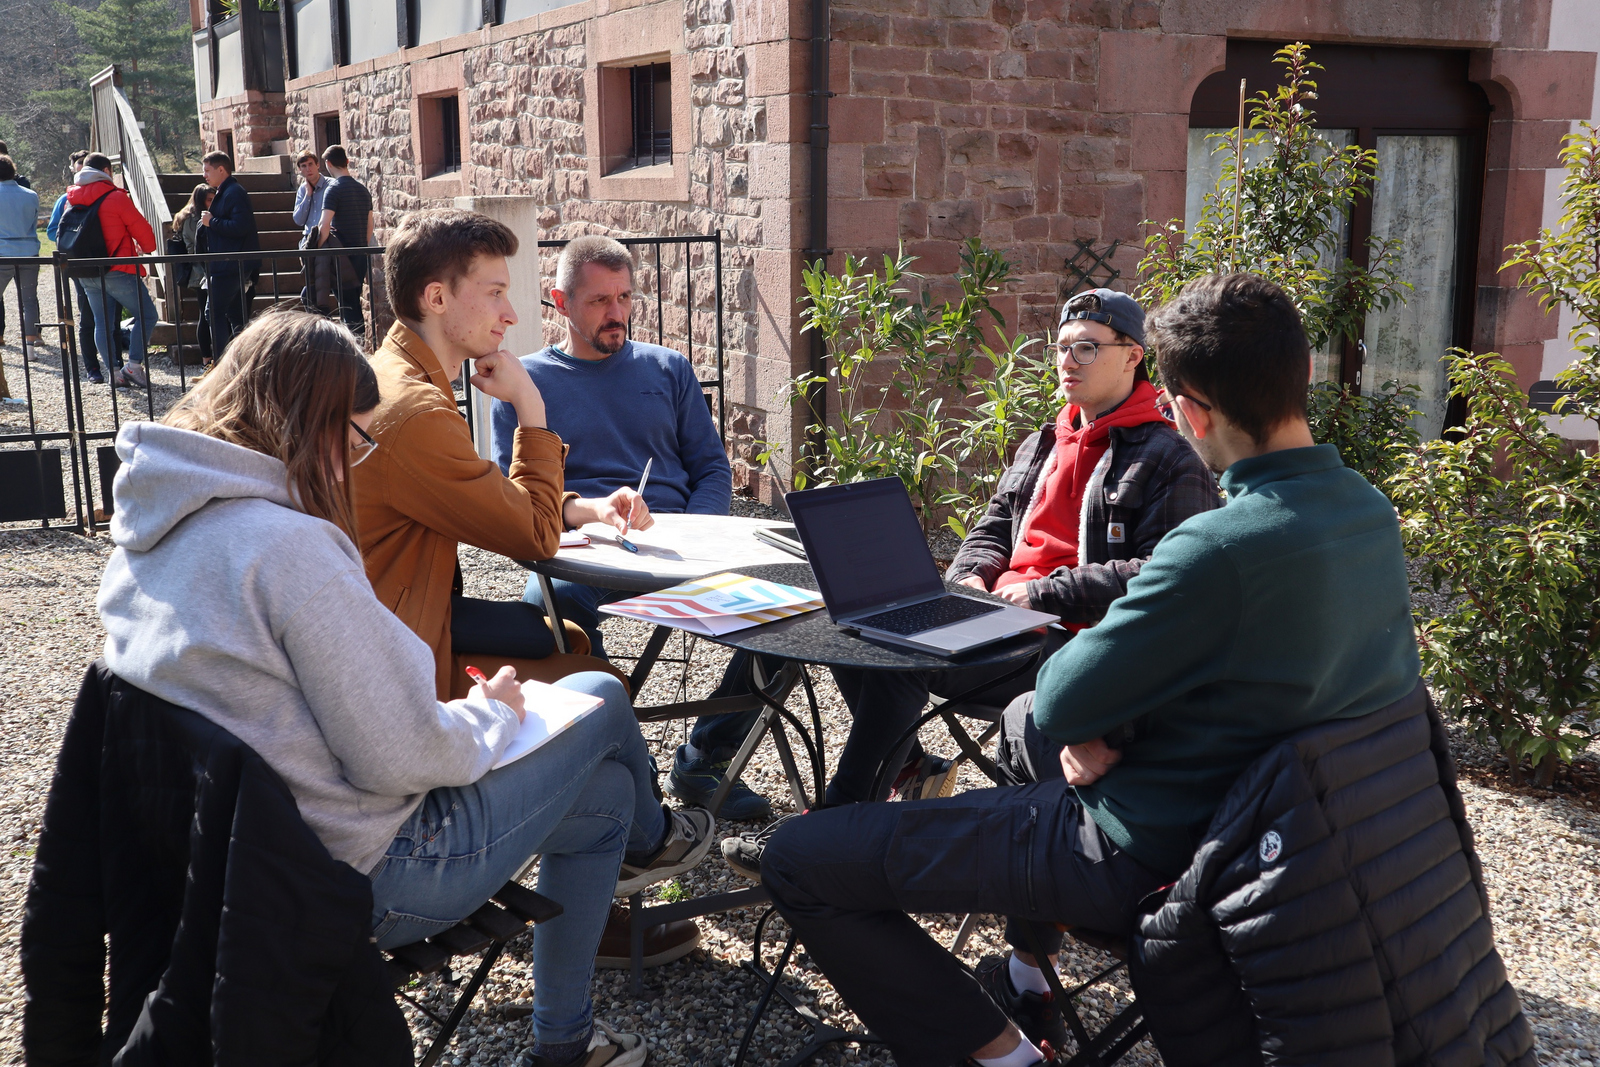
(743, 853)
(688, 840)
(607, 1048)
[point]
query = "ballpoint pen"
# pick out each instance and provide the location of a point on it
(622, 538)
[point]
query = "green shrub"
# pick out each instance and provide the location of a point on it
(1507, 519)
(1372, 432)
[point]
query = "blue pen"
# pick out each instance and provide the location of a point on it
(644, 479)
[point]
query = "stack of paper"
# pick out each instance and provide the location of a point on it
(720, 604)
(548, 709)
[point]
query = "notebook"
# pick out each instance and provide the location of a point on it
(549, 710)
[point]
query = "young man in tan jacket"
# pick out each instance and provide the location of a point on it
(424, 489)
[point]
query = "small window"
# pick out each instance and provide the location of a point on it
(328, 133)
(450, 133)
(652, 114)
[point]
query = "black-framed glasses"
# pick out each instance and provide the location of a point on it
(1083, 352)
(1168, 408)
(367, 447)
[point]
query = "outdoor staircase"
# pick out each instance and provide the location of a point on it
(272, 197)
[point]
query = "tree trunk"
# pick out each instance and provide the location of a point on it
(1545, 776)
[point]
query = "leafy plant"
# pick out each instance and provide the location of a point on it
(1288, 226)
(1372, 432)
(1507, 519)
(230, 8)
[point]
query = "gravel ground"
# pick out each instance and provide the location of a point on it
(1541, 848)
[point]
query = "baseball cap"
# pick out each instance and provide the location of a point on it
(1117, 310)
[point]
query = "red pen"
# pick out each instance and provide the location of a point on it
(477, 676)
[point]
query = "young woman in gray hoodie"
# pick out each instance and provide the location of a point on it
(236, 590)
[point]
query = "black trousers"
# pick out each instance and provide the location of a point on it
(226, 307)
(847, 879)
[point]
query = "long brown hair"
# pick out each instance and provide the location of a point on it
(198, 199)
(287, 386)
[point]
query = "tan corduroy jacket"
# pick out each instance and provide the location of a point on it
(426, 489)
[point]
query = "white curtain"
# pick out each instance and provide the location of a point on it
(1419, 177)
(1205, 170)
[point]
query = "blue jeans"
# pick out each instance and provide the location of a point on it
(712, 733)
(109, 296)
(572, 802)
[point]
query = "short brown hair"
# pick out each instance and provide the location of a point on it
(439, 245)
(8, 169)
(1236, 339)
(334, 155)
(605, 252)
(79, 156)
(218, 159)
(308, 156)
(286, 387)
(97, 161)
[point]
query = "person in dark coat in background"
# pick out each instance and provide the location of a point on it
(230, 226)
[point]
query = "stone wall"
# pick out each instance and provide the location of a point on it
(256, 119)
(524, 99)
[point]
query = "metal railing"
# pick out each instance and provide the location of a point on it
(115, 132)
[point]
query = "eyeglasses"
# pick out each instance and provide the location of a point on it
(367, 447)
(1083, 352)
(1168, 408)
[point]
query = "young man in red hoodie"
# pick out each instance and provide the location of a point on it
(1072, 520)
(121, 288)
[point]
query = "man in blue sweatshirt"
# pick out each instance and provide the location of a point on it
(1286, 608)
(617, 404)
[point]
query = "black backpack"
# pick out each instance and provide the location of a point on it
(81, 236)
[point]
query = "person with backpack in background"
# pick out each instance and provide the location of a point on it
(19, 236)
(192, 237)
(26, 184)
(86, 341)
(346, 218)
(101, 221)
(230, 225)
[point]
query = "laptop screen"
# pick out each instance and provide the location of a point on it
(864, 544)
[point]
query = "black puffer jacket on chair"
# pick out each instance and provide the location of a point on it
(1335, 914)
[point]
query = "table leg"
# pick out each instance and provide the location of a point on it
(791, 770)
(647, 659)
(557, 629)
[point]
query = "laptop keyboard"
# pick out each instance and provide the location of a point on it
(929, 615)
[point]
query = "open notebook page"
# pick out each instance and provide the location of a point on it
(550, 709)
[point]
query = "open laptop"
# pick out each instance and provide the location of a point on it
(877, 576)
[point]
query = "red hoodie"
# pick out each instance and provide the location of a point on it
(1050, 534)
(127, 233)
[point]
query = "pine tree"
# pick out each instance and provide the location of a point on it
(149, 42)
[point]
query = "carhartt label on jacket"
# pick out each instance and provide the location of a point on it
(1115, 533)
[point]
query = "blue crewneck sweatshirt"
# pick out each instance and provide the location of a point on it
(642, 403)
(1288, 607)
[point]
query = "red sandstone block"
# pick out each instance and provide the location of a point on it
(1142, 15)
(1054, 123)
(1124, 210)
(1160, 142)
(838, 66)
(888, 155)
(889, 182)
(845, 171)
(867, 83)
(919, 32)
(955, 184)
(1010, 203)
(1526, 360)
(948, 90)
(1164, 192)
(960, 62)
(1033, 93)
(913, 220)
(1543, 84)
(1077, 96)
(1015, 147)
(850, 25)
(1082, 200)
(1047, 11)
(856, 119)
(962, 116)
(879, 57)
(1007, 118)
(1008, 12)
(929, 171)
(1032, 228)
(1050, 65)
(902, 112)
(975, 34)
(969, 147)
(1537, 144)
(1104, 14)
(936, 257)
(954, 219)
(1155, 72)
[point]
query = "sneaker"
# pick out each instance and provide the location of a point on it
(1034, 1013)
(663, 942)
(12, 400)
(95, 379)
(928, 777)
(688, 840)
(695, 781)
(743, 853)
(607, 1048)
(132, 376)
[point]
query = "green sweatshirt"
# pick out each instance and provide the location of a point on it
(1287, 607)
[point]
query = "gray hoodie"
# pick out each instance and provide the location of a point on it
(224, 598)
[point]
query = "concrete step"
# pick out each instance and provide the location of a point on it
(252, 183)
(279, 164)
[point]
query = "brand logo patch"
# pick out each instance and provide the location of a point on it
(1271, 846)
(1116, 533)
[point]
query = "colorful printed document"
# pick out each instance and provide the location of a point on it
(720, 604)
(548, 709)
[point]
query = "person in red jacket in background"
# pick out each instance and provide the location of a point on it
(120, 289)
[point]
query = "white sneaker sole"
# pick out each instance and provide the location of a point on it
(627, 887)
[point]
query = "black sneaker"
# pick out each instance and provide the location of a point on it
(1034, 1013)
(688, 840)
(743, 853)
(695, 781)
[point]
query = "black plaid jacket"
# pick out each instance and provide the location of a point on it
(1148, 481)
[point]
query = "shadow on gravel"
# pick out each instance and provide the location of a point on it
(1563, 1034)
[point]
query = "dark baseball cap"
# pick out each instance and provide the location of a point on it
(1117, 310)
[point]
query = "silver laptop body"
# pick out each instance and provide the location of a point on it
(877, 576)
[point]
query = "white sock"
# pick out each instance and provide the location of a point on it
(694, 753)
(1026, 979)
(1024, 1055)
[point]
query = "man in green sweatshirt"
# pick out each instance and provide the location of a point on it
(1285, 608)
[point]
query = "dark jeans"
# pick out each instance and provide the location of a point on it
(846, 878)
(712, 733)
(884, 704)
(86, 341)
(350, 311)
(226, 308)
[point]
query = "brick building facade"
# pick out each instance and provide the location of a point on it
(1031, 124)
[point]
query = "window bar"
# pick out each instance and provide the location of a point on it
(716, 288)
(179, 292)
(650, 108)
(661, 298)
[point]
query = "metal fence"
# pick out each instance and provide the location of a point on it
(57, 454)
